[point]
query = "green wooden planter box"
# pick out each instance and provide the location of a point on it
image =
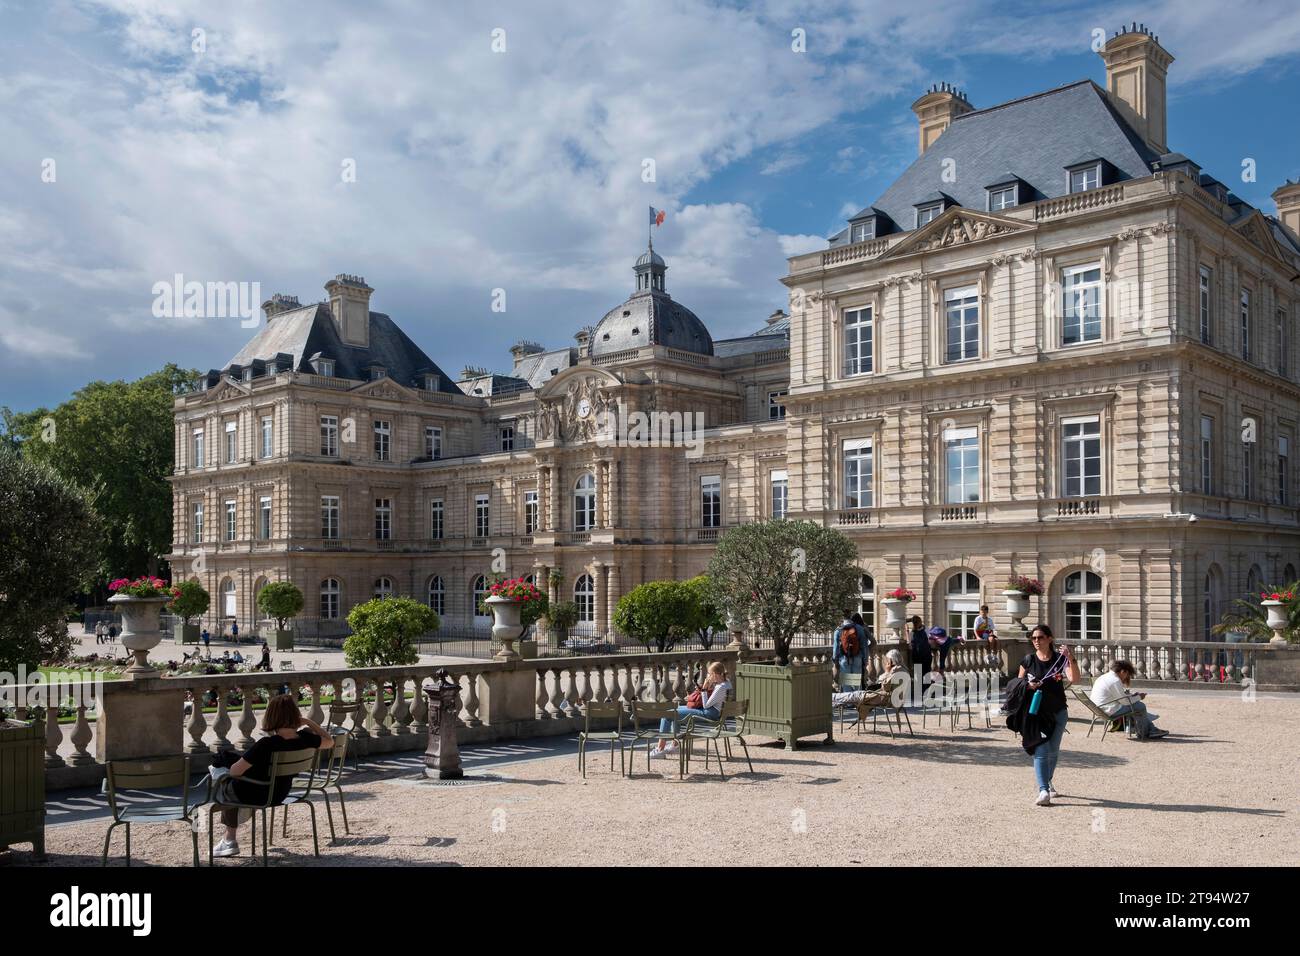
(22, 785)
(284, 640)
(787, 702)
(186, 634)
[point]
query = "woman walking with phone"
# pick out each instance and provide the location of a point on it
(1046, 670)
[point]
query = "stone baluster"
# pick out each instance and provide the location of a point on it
(543, 696)
(472, 718)
(652, 683)
(197, 726)
(1170, 665)
(557, 695)
(419, 709)
(602, 694)
(681, 684)
(247, 721)
(80, 741)
(401, 710)
(631, 689)
(572, 695)
(361, 716)
(53, 736)
(379, 712)
(587, 692)
(221, 726)
(315, 712)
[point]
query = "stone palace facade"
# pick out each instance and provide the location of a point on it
(1053, 347)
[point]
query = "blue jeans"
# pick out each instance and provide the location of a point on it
(1048, 752)
(1141, 717)
(711, 713)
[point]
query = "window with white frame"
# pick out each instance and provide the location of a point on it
(268, 436)
(329, 436)
(584, 595)
(196, 523)
(1081, 180)
(431, 383)
(329, 517)
(1248, 485)
(1080, 304)
(531, 504)
(1205, 305)
(928, 214)
(231, 514)
(432, 442)
(478, 594)
(776, 405)
(962, 313)
(229, 599)
(329, 599)
(437, 595)
(962, 465)
(962, 604)
(1283, 469)
(1245, 324)
(1081, 457)
(377, 372)
(482, 515)
(858, 474)
(383, 440)
(383, 519)
(437, 515)
(324, 367)
(862, 231)
(584, 503)
(232, 443)
(780, 479)
(1207, 455)
(711, 501)
(197, 447)
(1004, 197)
(1082, 596)
(383, 588)
(264, 517)
(867, 602)
(858, 354)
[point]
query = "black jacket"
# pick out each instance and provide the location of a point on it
(1032, 728)
(922, 653)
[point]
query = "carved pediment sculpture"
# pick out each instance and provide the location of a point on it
(961, 230)
(575, 415)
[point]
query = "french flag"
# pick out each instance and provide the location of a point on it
(656, 216)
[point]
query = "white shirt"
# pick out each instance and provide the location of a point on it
(1108, 692)
(718, 697)
(986, 622)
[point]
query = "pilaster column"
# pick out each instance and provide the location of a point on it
(598, 582)
(613, 494)
(555, 499)
(612, 594)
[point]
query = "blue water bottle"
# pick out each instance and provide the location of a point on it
(1035, 701)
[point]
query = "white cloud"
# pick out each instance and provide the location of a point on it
(798, 245)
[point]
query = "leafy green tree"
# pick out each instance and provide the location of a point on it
(384, 632)
(786, 577)
(115, 440)
(657, 612)
(562, 615)
(48, 539)
(280, 600)
(706, 618)
(192, 602)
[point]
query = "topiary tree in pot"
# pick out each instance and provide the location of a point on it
(559, 618)
(281, 600)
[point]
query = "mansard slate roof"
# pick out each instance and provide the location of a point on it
(537, 369)
(651, 318)
(1037, 137)
(309, 331)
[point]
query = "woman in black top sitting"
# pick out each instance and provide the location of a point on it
(1047, 669)
(286, 729)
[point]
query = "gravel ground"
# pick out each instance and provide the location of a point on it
(1220, 791)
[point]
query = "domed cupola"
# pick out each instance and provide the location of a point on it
(650, 317)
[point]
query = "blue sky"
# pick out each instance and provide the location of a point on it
(518, 170)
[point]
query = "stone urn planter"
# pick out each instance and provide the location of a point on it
(506, 626)
(1277, 619)
(1017, 607)
(895, 614)
(140, 630)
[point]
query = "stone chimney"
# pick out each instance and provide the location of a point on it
(350, 304)
(1136, 64)
(522, 349)
(1287, 199)
(279, 303)
(583, 338)
(935, 111)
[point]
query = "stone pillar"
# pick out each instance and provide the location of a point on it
(613, 494)
(613, 591)
(508, 697)
(555, 499)
(140, 718)
(602, 609)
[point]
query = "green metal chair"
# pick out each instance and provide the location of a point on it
(1096, 713)
(848, 684)
(153, 774)
(607, 711)
(330, 774)
(899, 712)
(339, 712)
(729, 726)
(651, 714)
(284, 763)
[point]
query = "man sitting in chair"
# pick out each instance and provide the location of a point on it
(1111, 693)
(878, 693)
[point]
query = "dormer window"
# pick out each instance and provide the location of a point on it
(1003, 197)
(377, 372)
(1083, 178)
(862, 231)
(324, 367)
(928, 213)
(430, 383)
(248, 374)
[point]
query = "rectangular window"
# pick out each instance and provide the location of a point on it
(198, 448)
(1207, 455)
(196, 525)
(436, 515)
(377, 373)
(711, 501)
(383, 441)
(858, 350)
(961, 306)
(864, 231)
(383, 519)
(431, 383)
(776, 405)
(264, 517)
(962, 462)
(268, 435)
(1081, 304)
(482, 516)
(1003, 198)
(1245, 325)
(230, 521)
(1207, 336)
(928, 214)
(1283, 469)
(329, 517)
(232, 443)
(780, 493)
(432, 442)
(1081, 456)
(857, 473)
(1081, 180)
(325, 368)
(329, 436)
(507, 437)
(530, 512)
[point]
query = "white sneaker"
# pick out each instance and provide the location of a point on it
(1051, 792)
(1044, 799)
(655, 752)
(670, 747)
(226, 848)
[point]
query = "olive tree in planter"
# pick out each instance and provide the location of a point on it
(559, 618)
(384, 632)
(786, 578)
(657, 613)
(192, 602)
(281, 600)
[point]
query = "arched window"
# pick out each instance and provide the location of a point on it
(437, 595)
(1254, 581)
(1082, 596)
(1288, 574)
(584, 595)
(329, 599)
(962, 603)
(584, 503)
(1213, 601)
(478, 595)
(384, 588)
(867, 602)
(228, 605)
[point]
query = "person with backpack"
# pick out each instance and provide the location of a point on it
(848, 650)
